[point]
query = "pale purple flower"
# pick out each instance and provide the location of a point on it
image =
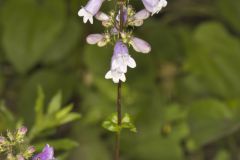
(140, 45)
(94, 38)
(154, 6)
(99, 39)
(22, 131)
(101, 16)
(31, 150)
(46, 154)
(2, 140)
(139, 17)
(20, 157)
(120, 60)
(90, 10)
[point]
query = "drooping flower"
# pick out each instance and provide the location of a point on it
(46, 154)
(140, 45)
(104, 18)
(90, 10)
(120, 61)
(101, 16)
(154, 6)
(94, 38)
(139, 17)
(99, 39)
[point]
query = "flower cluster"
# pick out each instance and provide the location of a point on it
(12, 146)
(118, 26)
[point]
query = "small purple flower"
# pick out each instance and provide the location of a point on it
(94, 38)
(90, 10)
(101, 16)
(140, 45)
(154, 6)
(2, 140)
(31, 150)
(139, 17)
(20, 157)
(46, 154)
(99, 39)
(22, 131)
(120, 60)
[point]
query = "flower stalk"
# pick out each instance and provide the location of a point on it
(119, 96)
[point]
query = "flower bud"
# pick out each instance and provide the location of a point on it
(10, 136)
(30, 150)
(94, 38)
(140, 45)
(22, 131)
(102, 16)
(10, 156)
(2, 140)
(20, 157)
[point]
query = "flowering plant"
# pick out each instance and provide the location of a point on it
(119, 25)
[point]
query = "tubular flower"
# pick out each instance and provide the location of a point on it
(90, 10)
(99, 39)
(120, 60)
(140, 45)
(154, 6)
(46, 154)
(94, 38)
(138, 18)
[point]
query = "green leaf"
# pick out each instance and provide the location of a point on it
(39, 106)
(127, 123)
(63, 112)
(38, 27)
(69, 118)
(229, 11)
(111, 123)
(61, 144)
(108, 125)
(7, 119)
(64, 43)
(209, 120)
(223, 155)
(55, 103)
(214, 60)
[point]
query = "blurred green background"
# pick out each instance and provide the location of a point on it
(184, 96)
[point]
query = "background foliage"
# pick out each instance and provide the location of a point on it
(184, 96)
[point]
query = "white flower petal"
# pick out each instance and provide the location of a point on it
(123, 77)
(86, 15)
(108, 75)
(131, 62)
